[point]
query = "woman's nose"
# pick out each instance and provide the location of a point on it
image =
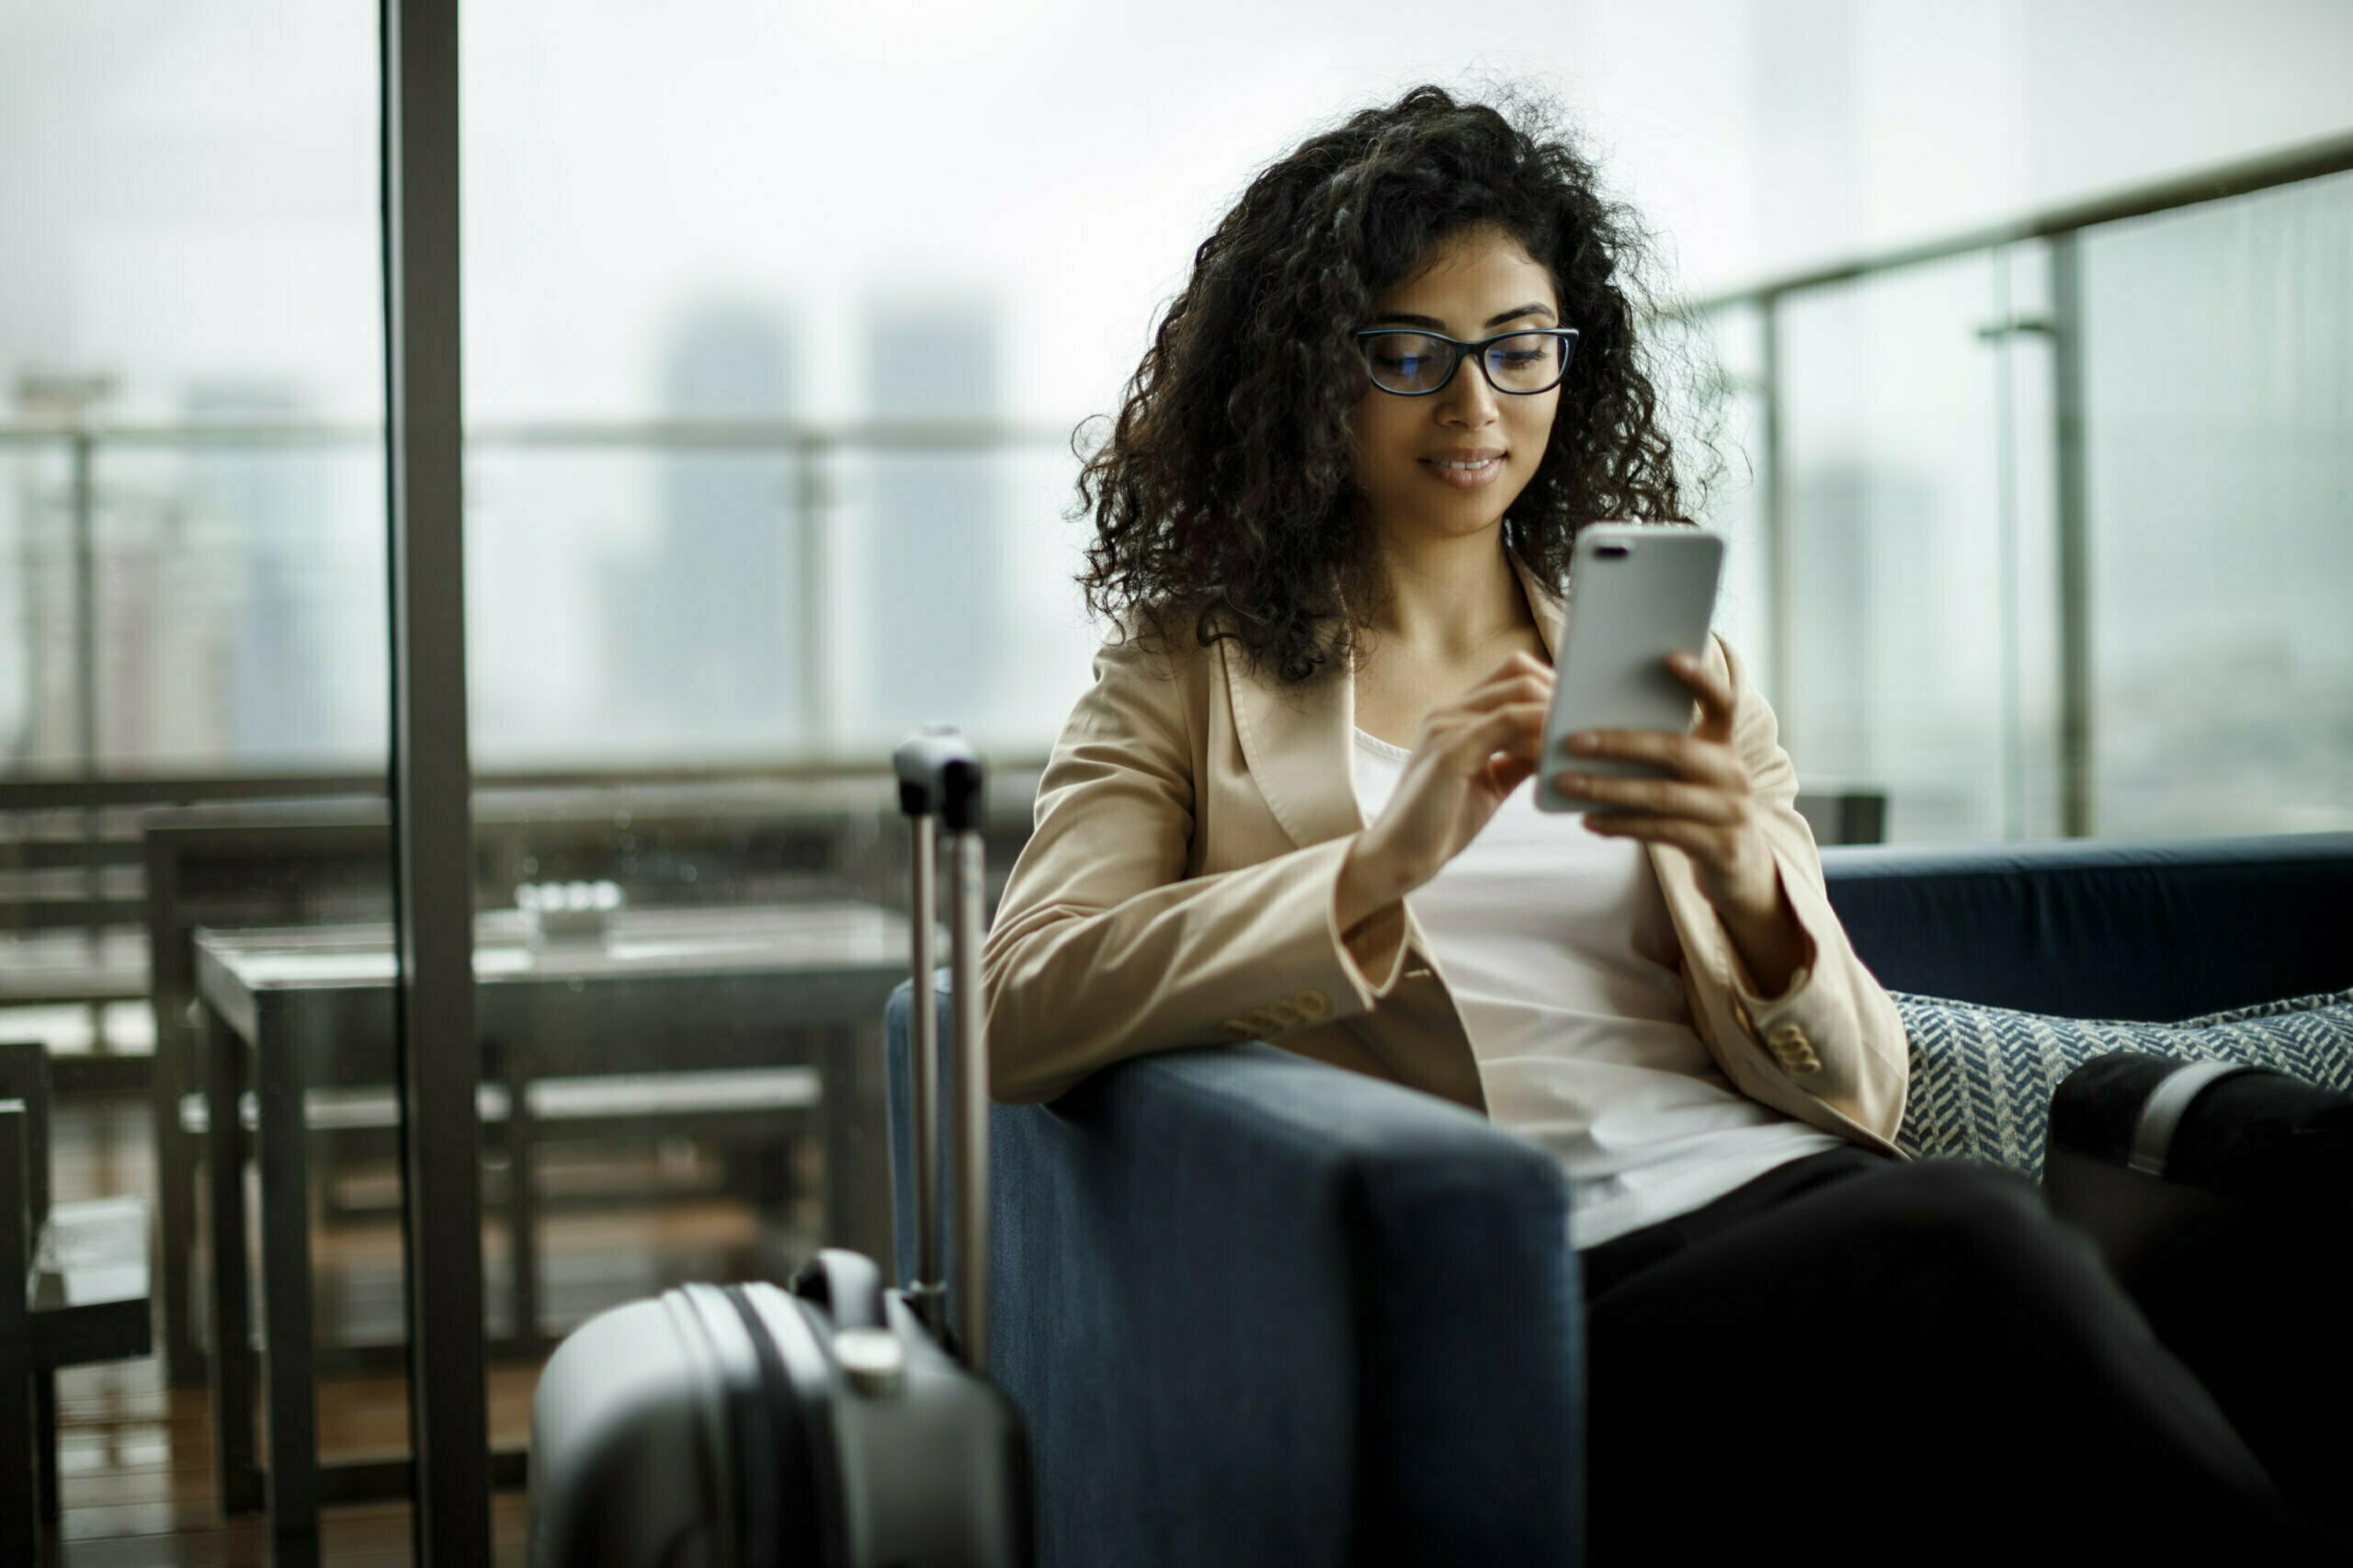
(1469, 401)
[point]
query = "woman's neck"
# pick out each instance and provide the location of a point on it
(1448, 599)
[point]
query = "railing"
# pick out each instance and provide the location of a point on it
(2063, 325)
(86, 799)
(813, 450)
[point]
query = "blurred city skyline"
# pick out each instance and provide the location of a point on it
(193, 190)
(918, 211)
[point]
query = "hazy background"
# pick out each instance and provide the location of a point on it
(836, 212)
(192, 189)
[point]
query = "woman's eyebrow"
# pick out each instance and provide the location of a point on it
(1434, 325)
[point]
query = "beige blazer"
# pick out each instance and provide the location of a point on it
(1180, 891)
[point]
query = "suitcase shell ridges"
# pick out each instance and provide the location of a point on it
(627, 1409)
(634, 1449)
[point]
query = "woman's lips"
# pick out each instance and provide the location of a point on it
(1465, 478)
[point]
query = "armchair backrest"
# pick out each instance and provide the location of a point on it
(2156, 930)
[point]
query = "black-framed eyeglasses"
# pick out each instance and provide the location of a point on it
(1412, 363)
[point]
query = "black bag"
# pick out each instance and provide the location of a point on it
(2221, 1195)
(744, 1425)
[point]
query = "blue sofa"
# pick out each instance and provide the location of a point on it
(1258, 1310)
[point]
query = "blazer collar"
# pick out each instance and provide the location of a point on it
(1300, 741)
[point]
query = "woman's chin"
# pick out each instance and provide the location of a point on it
(1463, 515)
(1439, 527)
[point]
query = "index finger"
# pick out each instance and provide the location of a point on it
(1518, 668)
(1521, 662)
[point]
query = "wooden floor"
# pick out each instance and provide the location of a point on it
(135, 1474)
(135, 1462)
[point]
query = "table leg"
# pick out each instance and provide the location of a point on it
(232, 1360)
(45, 1441)
(178, 1069)
(19, 1480)
(522, 1202)
(175, 1158)
(284, 1137)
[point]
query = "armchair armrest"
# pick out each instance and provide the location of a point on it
(1255, 1309)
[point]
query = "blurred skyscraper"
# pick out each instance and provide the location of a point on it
(40, 693)
(706, 652)
(257, 550)
(933, 606)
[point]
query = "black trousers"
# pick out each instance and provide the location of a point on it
(1856, 1358)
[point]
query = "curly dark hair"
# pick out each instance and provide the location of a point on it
(1221, 499)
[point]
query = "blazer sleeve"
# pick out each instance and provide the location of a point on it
(1833, 1029)
(1102, 947)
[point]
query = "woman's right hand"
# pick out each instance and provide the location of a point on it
(1468, 757)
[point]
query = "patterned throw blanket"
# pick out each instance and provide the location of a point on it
(1982, 1077)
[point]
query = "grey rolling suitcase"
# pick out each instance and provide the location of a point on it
(836, 1422)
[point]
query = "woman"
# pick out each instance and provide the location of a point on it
(1330, 521)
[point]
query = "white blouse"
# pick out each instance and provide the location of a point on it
(1558, 948)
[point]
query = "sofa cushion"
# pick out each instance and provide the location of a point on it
(2100, 928)
(1982, 1077)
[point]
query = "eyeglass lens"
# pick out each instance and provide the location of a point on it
(1416, 362)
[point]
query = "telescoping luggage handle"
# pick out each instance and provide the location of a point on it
(940, 781)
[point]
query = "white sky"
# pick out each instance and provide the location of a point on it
(189, 191)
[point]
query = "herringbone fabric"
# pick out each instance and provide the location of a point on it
(1982, 1077)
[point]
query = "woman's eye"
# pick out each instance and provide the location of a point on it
(1523, 356)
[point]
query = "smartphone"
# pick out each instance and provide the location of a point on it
(1637, 592)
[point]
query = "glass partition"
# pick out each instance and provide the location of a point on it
(2219, 451)
(1741, 512)
(195, 718)
(1893, 612)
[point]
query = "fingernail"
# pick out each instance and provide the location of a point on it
(1682, 661)
(1571, 781)
(1581, 741)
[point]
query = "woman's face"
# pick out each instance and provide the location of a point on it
(1408, 449)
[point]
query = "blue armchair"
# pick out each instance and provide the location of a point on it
(1258, 1310)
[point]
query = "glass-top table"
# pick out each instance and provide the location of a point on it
(771, 1008)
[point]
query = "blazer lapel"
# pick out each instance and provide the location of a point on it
(1298, 742)
(1551, 610)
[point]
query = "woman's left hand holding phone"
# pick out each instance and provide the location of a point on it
(1706, 809)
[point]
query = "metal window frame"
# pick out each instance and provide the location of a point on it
(439, 1055)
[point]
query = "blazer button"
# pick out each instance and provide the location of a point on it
(1285, 1015)
(1263, 1023)
(1786, 1034)
(1236, 1029)
(1807, 1064)
(1313, 1004)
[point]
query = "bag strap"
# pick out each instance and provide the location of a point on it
(2160, 1116)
